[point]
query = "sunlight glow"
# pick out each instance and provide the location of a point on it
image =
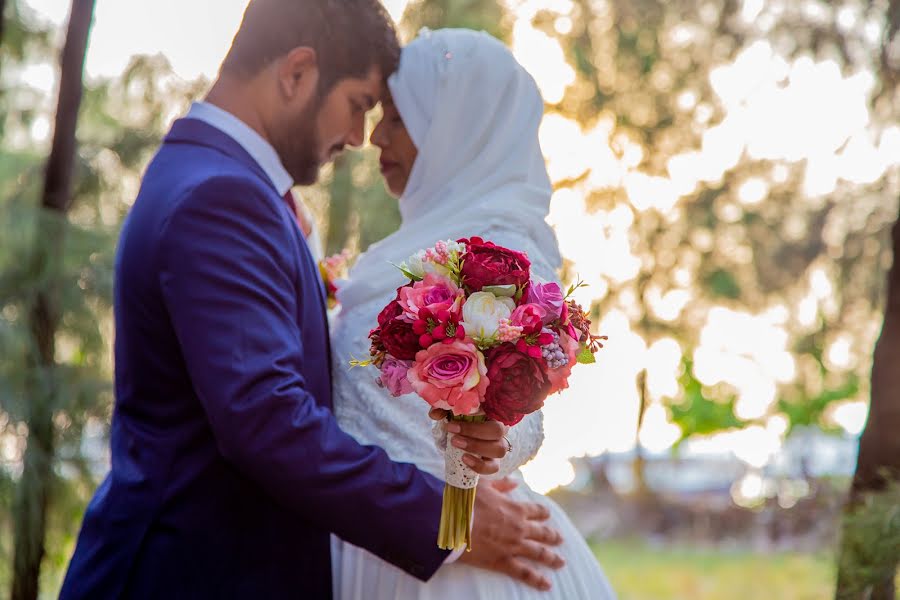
(543, 57)
(748, 352)
(755, 445)
(657, 432)
(851, 416)
(753, 191)
(839, 355)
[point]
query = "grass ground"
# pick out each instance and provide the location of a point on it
(641, 572)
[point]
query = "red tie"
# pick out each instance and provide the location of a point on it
(292, 204)
(301, 221)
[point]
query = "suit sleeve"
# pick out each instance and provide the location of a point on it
(228, 278)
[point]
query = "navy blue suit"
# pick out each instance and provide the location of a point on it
(228, 468)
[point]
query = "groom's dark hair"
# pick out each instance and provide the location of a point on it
(349, 37)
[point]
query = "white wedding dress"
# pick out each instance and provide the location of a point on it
(402, 427)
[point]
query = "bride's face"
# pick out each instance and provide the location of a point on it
(398, 153)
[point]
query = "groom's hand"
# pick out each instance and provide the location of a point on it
(510, 537)
(484, 443)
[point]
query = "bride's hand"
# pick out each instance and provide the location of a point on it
(484, 442)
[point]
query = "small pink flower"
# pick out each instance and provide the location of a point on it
(439, 255)
(507, 332)
(393, 376)
(529, 317)
(450, 376)
(435, 293)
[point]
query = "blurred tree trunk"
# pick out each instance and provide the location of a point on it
(879, 446)
(32, 493)
(639, 465)
(2, 18)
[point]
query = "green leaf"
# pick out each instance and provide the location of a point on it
(409, 275)
(699, 414)
(722, 283)
(501, 291)
(585, 356)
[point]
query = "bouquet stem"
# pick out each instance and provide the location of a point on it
(459, 502)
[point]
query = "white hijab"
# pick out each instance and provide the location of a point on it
(473, 113)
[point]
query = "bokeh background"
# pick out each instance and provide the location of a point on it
(726, 176)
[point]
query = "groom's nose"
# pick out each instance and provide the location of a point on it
(357, 134)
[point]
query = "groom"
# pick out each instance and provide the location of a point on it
(228, 469)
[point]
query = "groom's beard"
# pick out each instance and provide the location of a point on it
(297, 143)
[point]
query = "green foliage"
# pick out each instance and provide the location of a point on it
(871, 543)
(808, 409)
(723, 284)
(487, 15)
(698, 413)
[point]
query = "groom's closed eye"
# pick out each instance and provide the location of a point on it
(362, 104)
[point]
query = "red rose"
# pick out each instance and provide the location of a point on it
(389, 312)
(399, 339)
(393, 309)
(518, 385)
(485, 263)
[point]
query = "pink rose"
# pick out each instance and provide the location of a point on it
(393, 376)
(435, 293)
(549, 297)
(529, 317)
(559, 378)
(450, 376)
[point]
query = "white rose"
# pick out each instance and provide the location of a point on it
(415, 264)
(419, 266)
(455, 247)
(482, 312)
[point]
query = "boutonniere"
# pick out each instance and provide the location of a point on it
(332, 269)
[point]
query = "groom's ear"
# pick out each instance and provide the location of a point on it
(298, 74)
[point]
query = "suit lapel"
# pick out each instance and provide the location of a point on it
(200, 133)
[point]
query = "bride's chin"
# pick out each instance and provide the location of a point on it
(394, 189)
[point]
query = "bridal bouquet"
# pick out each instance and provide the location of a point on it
(473, 334)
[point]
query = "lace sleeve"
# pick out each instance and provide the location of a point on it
(525, 437)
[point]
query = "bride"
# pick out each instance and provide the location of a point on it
(459, 146)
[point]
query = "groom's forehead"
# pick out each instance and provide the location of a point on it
(371, 85)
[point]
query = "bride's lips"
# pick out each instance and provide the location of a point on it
(387, 165)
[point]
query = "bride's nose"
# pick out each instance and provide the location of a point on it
(378, 137)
